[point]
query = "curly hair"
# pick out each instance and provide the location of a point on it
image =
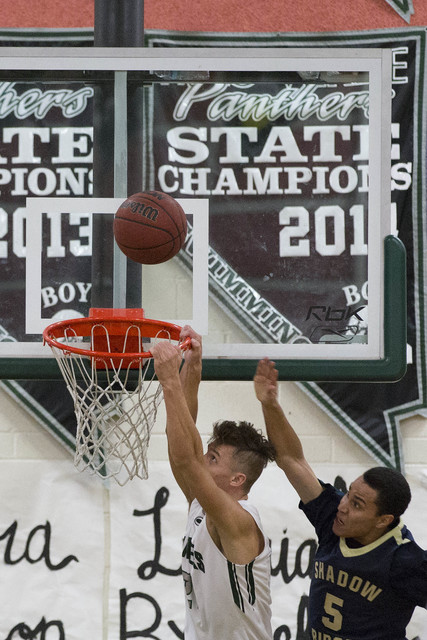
(252, 449)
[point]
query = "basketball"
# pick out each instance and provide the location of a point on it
(150, 227)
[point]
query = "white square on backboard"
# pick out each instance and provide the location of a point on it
(199, 209)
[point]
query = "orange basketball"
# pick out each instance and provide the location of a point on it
(150, 227)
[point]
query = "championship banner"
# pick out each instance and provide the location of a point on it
(209, 141)
(259, 179)
(51, 160)
(252, 194)
(81, 560)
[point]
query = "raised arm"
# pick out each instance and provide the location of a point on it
(180, 390)
(232, 527)
(289, 451)
(191, 372)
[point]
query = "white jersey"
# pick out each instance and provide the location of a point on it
(224, 601)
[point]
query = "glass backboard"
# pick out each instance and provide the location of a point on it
(281, 160)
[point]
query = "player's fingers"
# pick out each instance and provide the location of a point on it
(165, 350)
(188, 331)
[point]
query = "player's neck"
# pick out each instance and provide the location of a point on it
(354, 543)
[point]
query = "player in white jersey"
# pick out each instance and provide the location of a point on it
(226, 556)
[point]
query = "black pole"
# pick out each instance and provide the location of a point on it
(118, 23)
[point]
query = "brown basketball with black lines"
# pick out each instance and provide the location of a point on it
(150, 227)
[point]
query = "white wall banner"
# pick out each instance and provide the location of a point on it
(147, 525)
(83, 562)
(52, 552)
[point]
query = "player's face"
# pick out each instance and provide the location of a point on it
(357, 516)
(219, 459)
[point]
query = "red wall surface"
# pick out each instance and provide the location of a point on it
(221, 15)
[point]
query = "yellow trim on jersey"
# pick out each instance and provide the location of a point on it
(396, 533)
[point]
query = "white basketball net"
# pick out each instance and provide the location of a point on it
(116, 408)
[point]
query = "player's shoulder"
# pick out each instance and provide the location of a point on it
(195, 508)
(248, 506)
(407, 546)
(329, 496)
(407, 554)
(408, 570)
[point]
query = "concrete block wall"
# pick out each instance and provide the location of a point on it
(22, 437)
(167, 293)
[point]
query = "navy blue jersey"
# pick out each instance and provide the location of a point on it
(363, 593)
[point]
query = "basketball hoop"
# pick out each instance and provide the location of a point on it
(106, 366)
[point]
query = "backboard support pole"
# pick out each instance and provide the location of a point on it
(117, 24)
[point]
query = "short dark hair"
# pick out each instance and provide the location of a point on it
(393, 491)
(252, 449)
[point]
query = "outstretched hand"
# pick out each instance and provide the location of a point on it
(265, 381)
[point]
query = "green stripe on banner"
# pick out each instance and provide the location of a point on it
(403, 7)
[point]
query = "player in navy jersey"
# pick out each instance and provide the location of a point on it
(369, 574)
(226, 557)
